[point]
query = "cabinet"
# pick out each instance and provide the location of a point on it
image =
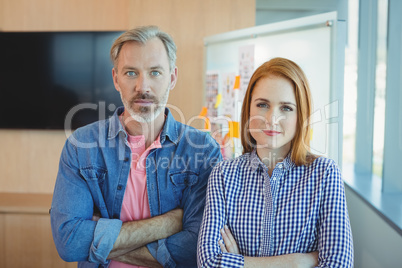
(25, 234)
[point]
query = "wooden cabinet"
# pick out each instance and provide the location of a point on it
(25, 234)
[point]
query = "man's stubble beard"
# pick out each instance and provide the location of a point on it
(147, 113)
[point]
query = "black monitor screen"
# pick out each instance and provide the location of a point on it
(49, 80)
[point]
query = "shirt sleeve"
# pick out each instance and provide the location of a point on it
(179, 250)
(76, 236)
(335, 242)
(209, 253)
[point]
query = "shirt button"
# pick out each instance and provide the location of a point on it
(126, 159)
(119, 187)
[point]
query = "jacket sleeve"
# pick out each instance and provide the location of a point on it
(77, 237)
(179, 250)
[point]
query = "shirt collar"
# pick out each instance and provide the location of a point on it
(169, 130)
(115, 126)
(256, 162)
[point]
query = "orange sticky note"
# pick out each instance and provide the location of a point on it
(204, 111)
(207, 125)
(237, 82)
(234, 131)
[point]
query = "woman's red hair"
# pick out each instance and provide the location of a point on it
(300, 147)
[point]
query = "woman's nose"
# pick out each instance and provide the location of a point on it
(273, 118)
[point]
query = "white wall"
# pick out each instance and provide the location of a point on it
(376, 244)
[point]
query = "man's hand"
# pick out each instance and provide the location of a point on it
(175, 218)
(135, 234)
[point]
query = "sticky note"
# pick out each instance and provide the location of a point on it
(218, 100)
(234, 130)
(207, 125)
(204, 111)
(237, 82)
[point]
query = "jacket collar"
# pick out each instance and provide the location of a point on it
(169, 130)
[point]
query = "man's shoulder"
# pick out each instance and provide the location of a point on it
(182, 129)
(90, 133)
(94, 127)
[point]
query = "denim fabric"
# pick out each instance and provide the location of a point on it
(92, 177)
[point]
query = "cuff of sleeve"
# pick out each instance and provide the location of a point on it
(160, 252)
(106, 232)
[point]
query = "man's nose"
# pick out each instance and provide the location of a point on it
(142, 83)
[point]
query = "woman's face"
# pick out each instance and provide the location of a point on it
(273, 115)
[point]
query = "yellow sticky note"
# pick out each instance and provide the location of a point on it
(237, 82)
(204, 111)
(218, 101)
(234, 130)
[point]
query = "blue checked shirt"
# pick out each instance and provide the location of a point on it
(298, 209)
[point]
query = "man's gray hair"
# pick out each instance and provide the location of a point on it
(142, 35)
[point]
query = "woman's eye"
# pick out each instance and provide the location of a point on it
(262, 105)
(287, 108)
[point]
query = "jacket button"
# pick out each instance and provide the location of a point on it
(126, 159)
(119, 187)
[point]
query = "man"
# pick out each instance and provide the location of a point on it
(131, 189)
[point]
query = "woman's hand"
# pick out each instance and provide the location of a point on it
(229, 244)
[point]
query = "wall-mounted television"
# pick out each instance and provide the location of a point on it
(50, 80)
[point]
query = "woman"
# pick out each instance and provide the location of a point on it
(277, 204)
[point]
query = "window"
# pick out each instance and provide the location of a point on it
(350, 86)
(372, 106)
(380, 86)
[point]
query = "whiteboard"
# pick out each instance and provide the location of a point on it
(316, 44)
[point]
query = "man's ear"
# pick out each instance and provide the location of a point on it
(173, 78)
(116, 84)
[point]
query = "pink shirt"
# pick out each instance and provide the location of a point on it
(135, 202)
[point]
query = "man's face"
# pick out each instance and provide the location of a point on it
(144, 79)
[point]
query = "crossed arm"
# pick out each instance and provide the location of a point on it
(299, 260)
(129, 246)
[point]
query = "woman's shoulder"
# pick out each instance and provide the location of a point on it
(323, 164)
(322, 160)
(241, 161)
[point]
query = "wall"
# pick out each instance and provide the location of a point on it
(269, 11)
(29, 159)
(376, 244)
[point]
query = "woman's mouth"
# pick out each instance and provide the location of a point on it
(271, 132)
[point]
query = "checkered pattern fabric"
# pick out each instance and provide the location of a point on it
(298, 209)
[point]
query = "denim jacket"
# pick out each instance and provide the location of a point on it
(92, 177)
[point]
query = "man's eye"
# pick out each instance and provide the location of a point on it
(130, 73)
(155, 73)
